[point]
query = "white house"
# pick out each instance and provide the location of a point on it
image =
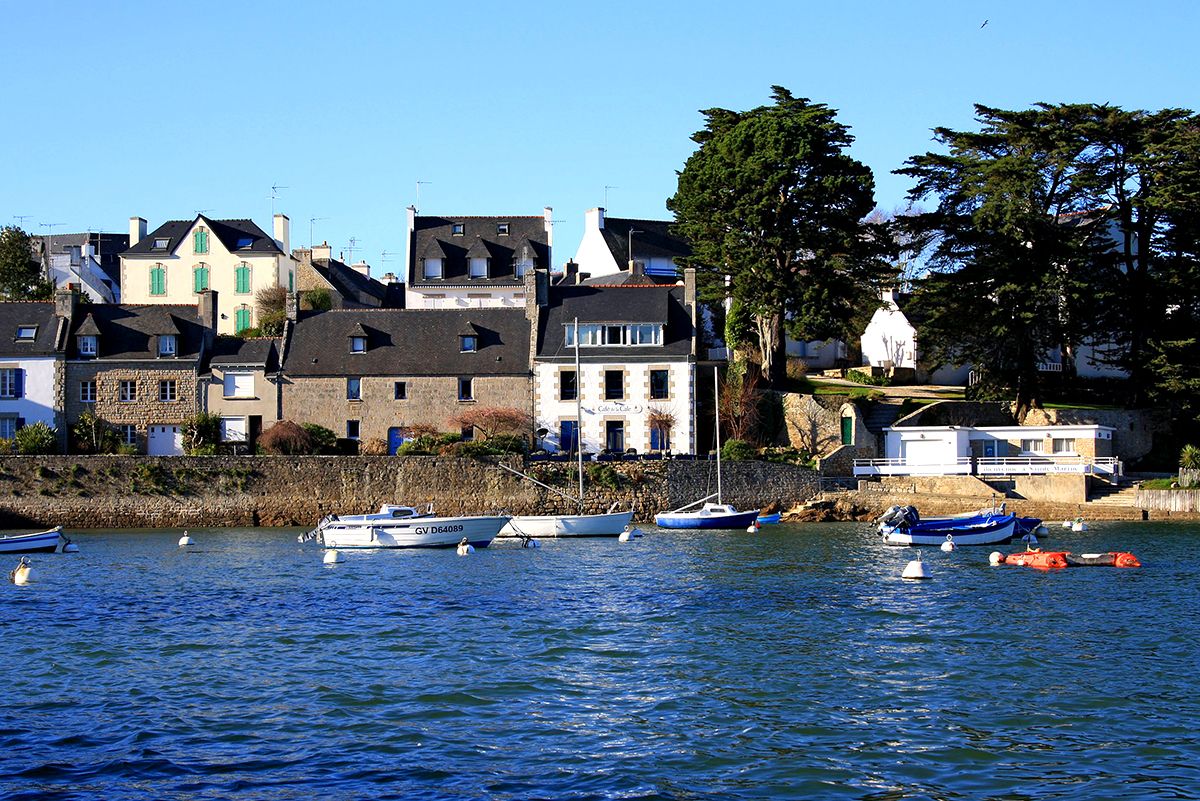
(90, 261)
(636, 367)
(183, 258)
(31, 336)
(474, 262)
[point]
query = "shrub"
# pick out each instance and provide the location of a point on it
(796, 368)
(1189, 457)
(737, 450)
(270, 324)
(126, 449)
(508, 443)
(324, 441)
(373, 447)
(36, 440)
(493, 420)
(92, 435)
(868, 395)
(603, 475)
(316, 300)
(861, 377)
(285, 438)
(202, 430)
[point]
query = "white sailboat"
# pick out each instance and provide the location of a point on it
(709, 515)
(404, 527)
(609, 524)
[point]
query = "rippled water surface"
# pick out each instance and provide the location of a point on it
(789, 664)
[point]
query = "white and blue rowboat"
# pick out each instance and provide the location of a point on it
(405, 527)
(711, 515)
(982, 530)
(599, 525)
(41, 542)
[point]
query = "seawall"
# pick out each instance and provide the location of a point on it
(176, 491)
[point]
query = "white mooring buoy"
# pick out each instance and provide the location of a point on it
(185, 540)
(69, 547)
(21, 573)
(948, 546)
(465, 547)
(752, 528)
(915, 570)
(995, 558)
(333, 556)
(1078, 525)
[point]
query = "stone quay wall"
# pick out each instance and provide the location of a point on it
(182, 491)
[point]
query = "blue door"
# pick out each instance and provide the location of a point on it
(395, 440)
(989, 448)
(568, 436)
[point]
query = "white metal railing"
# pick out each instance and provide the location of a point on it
(1049, 367)
(902, 467)
(991, 466)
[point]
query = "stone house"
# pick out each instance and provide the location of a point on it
(373, 373)
(182, 258)
(31, 339)
(138, 367)
(636, 364)
(243, 386)
(474, 262)
(350, 286)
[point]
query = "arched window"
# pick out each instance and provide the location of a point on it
(200, 277)
(241, 319)
(158, 280)
(200, 241)
(242, 279)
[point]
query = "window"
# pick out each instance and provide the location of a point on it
(660, 385)
(26, 333)
(502, 229)
(660, 440)
(87, 345)
(593, 335)
(167, 345)
(456, 229)
(128, 392)
(522, 266)
(128, 433)
(200, 241)
(10, 382)
(645, 334)
(200, 278)
(241, 279)
(233, 429)
(76, 254)
(245, 241)
(467, 433)
(614, 435)
(479, 267)
(241, 319)
(161, 244)
(167, 392)
(87, 391)
(354, 389)
(8, 427)
(358, 344)
(351, 429)
(1064, 445)
(432, 268)
(239, 385)
(158, 280)
(468, 343)
(466, 390)
(614, 385)
(568, 436)
(401, 390)
(1033, 445)
(568, 385)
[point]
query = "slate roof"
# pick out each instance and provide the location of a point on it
(652, 239)
(14, 314)
(238, 236)
(351, 284)
(409, 342)
(433, 238)
(129, 331)
(615, 304)
(237, 352)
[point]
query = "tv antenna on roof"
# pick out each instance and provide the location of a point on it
(312, 220)
(417, 204)
(606, 188)
(274, 194)
(50, 242)
(353, 246)
(386, 256)
(202, 211)
(21, 218)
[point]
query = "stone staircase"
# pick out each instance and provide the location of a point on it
(1113, 494)
(881, 415)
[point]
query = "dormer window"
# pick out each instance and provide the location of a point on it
(26, 333)
(200, 241)
(502, 229)
(358, 344)
(87, 345)
(167, 345)
(245, 241)
(479, 267)
(456, 229)
(431, 268)
(468, 343)
(161, 244)
(522, 266)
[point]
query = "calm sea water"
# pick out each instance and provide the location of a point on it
(790, 664)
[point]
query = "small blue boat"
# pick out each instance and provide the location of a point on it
(774, 517)
(41, 542)
(711, 515)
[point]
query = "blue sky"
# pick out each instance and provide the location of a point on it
(163, 109)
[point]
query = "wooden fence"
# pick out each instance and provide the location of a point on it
(1169, 500)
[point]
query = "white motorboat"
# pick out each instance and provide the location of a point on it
(405, 527)
(39, 542)
(603, 525)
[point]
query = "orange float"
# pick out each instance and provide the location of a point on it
(1056, 560)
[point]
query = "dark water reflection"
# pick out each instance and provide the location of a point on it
(790, 664)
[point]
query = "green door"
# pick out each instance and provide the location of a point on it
(847, 430)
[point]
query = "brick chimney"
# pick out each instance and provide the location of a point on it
(690, 301)
(572, 273)
(206, 308)
(137, 230)
(66, 301)
(291, 306)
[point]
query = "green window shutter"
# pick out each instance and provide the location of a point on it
(201, 282)
(158, 282)
(243, 279)
(242, 320)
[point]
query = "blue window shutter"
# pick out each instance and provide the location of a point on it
(19, 382)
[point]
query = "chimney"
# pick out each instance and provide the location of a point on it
(537, 287)
(206, 308)
(291, 306)
(322, 251)
(137, 230)
(637, 270)
(689, 300)
(594, 218)
(547, 215)
(66, 301)
(891, 297)
(283, 233)
(572, 270)
(362, 268)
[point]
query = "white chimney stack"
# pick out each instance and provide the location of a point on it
(363, 268)
(548, 215)
(283, 233)
(137, 230)
(594, 218)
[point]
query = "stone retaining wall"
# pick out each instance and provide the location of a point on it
(175, 491)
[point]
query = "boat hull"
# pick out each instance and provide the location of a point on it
(995, 532)
(606, 525)
(772, 518)
(40, 542)
(422, 532)
(695, 520)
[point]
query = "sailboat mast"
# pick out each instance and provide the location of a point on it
(579, 414)
(717, 421)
